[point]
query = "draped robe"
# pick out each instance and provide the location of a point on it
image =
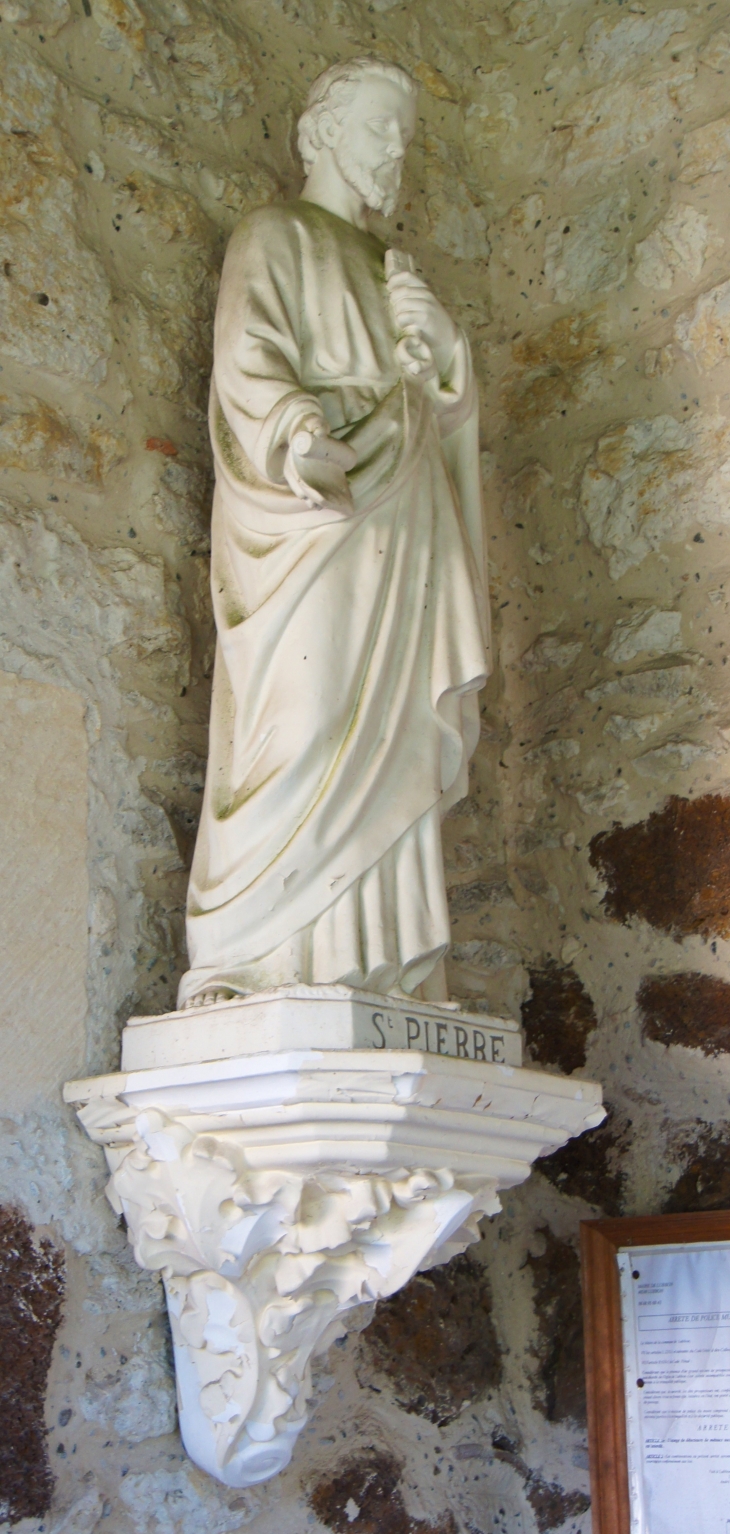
(350, 647)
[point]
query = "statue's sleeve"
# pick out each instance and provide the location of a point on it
(455, 396)
(257, 361)
(456, 403)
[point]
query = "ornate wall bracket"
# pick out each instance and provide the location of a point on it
(278, 1193)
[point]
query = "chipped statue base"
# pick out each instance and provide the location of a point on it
(280, 1189)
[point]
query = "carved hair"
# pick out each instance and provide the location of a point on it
(332, 92)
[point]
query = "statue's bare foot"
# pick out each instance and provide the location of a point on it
(207, 999)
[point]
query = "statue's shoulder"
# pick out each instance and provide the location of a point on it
(274, 221)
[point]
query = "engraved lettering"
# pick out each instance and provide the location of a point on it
(441, 1031)
(498, 1046)
(412, 1022)
(462, 1039)
(376, 1024)
(479, 1047)
(428, 1046)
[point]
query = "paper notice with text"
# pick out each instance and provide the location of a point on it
(675, 1311)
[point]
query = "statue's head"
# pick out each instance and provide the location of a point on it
(363, 112)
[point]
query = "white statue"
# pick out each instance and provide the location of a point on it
(347, 581)
(286, 1160)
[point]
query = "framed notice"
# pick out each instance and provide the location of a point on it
(656, 1305)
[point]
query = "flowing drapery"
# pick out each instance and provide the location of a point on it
(350, 648)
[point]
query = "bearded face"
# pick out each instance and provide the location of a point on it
(378, 185)
(372, 138)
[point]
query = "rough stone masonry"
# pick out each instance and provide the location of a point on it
(567, 195)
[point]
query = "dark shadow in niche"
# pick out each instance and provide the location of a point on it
(32, 1280)
(434, 1341)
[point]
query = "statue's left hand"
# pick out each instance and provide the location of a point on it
(418, 312)
(316, 466)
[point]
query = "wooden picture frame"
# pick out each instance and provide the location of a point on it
(600, 1240)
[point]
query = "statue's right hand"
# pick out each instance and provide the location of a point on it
(315, 468)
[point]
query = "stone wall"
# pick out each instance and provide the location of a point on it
(567, 196)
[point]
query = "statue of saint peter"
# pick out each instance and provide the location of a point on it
(347, 575)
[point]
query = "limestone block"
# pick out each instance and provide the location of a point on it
(29, 93)
(706, 151)
(523, 490)
(586, 253)
(43, 925)
(137, 1402)
(492, 114)
(141, 618)
(566, 365)
(162, 1501)
(55, 299)
(532, 20)
(160, 366)
(37, 438)
(677, 247)
(54, 310)
(645, 633)
(182, 506)
(120, 22)
(715, 53)
(649, 480)
(614, 50)
(674, 757)
(50, 16)
(658, 361)
(456, 217)
(160, 213)
(615, 121)
(705, 332)
(435, 82)
(121, 598)
(665, 685)
(550, 650)
(627, 729)
(211, 71)
(599, 798)
(458, 225)
(475, 961)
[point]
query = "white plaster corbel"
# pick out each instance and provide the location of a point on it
(278, 1193)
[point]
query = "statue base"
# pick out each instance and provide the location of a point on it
(282, 1167)
(317, 1017)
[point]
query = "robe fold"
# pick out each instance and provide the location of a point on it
(350, 647)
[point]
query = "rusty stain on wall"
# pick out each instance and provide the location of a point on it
(31, 1294)
(435, 1341)
(704, 1181)
(591, 1167)
(689, 1008)
(557, 1017)
(364, 1493)
(551, 1504)
(560, 1387)
(672, 869)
